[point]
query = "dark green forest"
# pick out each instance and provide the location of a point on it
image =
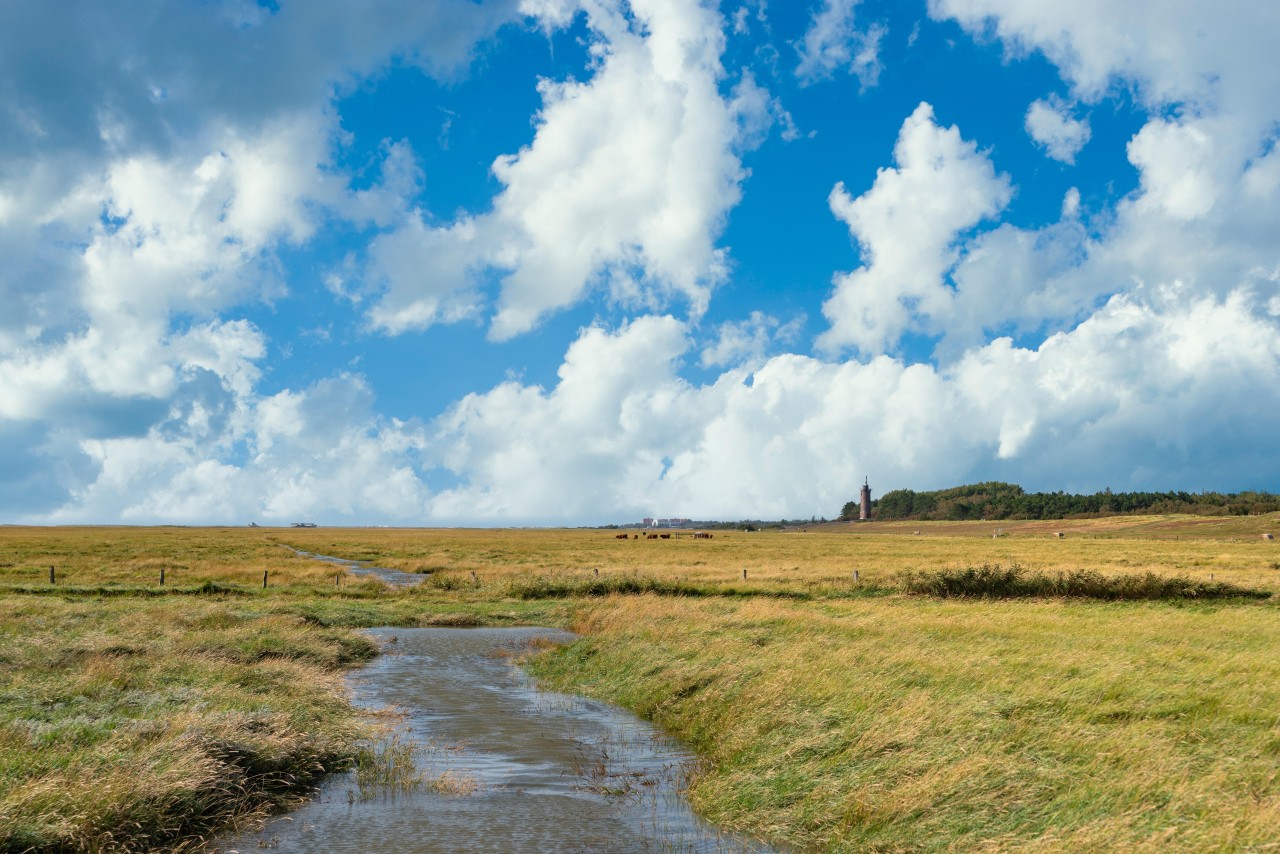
(995, 500)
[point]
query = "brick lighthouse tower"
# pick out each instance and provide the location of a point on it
(864, 509)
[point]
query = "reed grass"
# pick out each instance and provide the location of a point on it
(1007, 582)
(386, 767)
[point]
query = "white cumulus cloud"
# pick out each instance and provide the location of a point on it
(1051, 124)
(907, 226)
(625, 185)
(833, 43)
(1207, 201)
(622, 435)
(748, 342)
(318, 454)
(147, 190)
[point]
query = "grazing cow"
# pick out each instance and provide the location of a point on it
(665, 536)
(1268, 536)
(1059, 534)
(623, 537)
(651, 536)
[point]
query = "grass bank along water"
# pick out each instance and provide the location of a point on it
(131, 723)
(135, 724)
(904, 724)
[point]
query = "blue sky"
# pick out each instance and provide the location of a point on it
(561, 262)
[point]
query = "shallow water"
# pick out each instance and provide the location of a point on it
(529, 770)
(355, 567)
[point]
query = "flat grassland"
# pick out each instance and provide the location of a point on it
(834, 713)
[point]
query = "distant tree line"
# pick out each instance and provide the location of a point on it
(995, 500)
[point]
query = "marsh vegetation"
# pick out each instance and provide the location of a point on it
(1022, 709)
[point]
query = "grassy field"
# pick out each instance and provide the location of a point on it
(835, 714)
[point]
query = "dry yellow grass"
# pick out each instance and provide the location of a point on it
(898, 724)
(833, 719)
(1229, 549)
(827, 557)
(135, 724)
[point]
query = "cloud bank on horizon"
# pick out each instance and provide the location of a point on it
(579, 261)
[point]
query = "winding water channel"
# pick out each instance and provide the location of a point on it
(393, 577)
(508, 767)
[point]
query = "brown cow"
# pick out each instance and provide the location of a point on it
(665, 536)
(651, 536)
(623, 537)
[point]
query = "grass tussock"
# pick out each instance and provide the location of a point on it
(1010, 582)
(452, 783)
(387, 767)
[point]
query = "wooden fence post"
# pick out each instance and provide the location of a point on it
(51, 576)
(264, 579)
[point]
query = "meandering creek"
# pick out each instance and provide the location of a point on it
(507, 767)
(364, 570)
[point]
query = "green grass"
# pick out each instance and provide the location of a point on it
(1006, 582)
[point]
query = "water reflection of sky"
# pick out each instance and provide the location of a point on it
(507, 767)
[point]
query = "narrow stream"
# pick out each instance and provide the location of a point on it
(508, 767)
(355, 567)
